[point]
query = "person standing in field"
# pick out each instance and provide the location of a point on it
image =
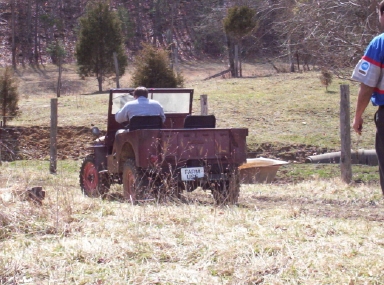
(370, 73)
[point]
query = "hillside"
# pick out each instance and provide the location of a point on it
(40, 25)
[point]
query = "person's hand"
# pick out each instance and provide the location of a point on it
(358, 125)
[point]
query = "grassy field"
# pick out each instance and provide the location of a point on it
(307, 228)
(314, 232)
(285, 108)
(287, 114)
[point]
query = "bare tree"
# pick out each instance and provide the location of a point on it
(332, 32)
(36, 50)
(13, 17)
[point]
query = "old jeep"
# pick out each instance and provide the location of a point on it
(151, 158)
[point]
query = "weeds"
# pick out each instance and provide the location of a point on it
(278, 233)
(315, 230)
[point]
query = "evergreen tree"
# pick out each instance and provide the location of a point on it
(238, 23)
(9, 96)
(100, 36)
(152, 69)
(56, 51)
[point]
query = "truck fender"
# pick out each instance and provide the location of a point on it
(125, 153)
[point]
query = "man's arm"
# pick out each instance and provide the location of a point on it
(363, 99)
(162, 115)
(121, 116)
(161, 110)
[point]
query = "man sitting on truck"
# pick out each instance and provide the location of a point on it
(141, 106)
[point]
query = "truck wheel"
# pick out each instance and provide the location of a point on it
(134, 183)
(92, 183)
(227, 191)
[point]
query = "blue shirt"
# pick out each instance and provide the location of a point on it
(140, 107)
(369, 70)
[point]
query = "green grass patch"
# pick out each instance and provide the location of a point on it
(298, 172)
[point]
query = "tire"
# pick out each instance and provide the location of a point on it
(134, 182)
(226, 192)
(92, 183)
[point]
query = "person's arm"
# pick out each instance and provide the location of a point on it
(363, 99)
(121, 116)
(162, 115)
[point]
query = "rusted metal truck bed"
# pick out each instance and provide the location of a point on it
(179, 146)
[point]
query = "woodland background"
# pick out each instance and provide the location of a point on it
(328, 33)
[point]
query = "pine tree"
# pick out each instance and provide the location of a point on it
(100, 36)
(238, 23)
(9, 96)
(152, 69)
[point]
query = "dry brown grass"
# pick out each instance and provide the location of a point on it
(316, 232)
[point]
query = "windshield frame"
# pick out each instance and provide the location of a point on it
(151, 92)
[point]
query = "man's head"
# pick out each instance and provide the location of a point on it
(381, 8)
(140, 91)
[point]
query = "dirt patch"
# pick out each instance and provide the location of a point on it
(72, 142)
(34, 143)
(291, 153)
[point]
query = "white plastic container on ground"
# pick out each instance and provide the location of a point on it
(259, 170)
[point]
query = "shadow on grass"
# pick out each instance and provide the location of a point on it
(96, 93)
(40, 71)
(195, 199)
(329, 208)
(114, 196)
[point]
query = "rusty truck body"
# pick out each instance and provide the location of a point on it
(151, 158)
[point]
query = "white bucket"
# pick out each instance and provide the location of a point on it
(259, 170)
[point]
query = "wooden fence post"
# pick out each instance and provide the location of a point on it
(53, 146)
(204, 104)
(345, 135)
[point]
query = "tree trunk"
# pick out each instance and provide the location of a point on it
(236, 61)
(231, 56)
(28, 35)
(100, 81)
(13, 35)
(139, 24)
(5, 95)
(59, 77)
(158, 22)
(36, 53)
(290, 59)
(298, 60)
(116, 69)
(240, 66)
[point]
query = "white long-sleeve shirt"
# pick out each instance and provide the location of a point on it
(140, 107)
